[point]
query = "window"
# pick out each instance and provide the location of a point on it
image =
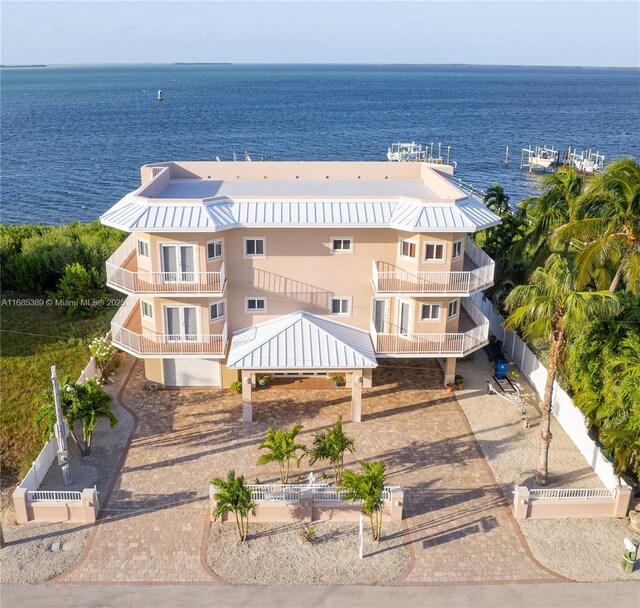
(340, 306)
(430, 312)
(255, 304)
(342, 244)
(147, 310)
(407, 249)
(216, 311)
(457, 249)
(433, 252)
(214, 249)
(254, 247)
(143, 249)
(453, 308)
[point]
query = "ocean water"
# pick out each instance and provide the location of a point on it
(73, 138)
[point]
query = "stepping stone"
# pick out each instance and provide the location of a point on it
(66, 546)
(55, 547)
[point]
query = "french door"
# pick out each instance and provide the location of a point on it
(181, 323)
(403, 319)
(178, 263)
(379, 315)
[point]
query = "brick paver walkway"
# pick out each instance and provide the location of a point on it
(458, 523)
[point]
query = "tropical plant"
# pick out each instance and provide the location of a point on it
(551, 308)
(338, 379)
(607, 222)
(367, 487)
(283, 449)
(90, 405)
(496, 200)
(233, 496)
(331, 445)
(102, 352)
(236, 386)
(45, 416)
(309, 534)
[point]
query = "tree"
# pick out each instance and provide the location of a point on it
(233, 496)
(550, 308)
(90, 405)
(607, 221)
(367, 487)
(45, 416)
(76, 287)
(102, 351)
(282, 449)
(496, 200)
(331, 445)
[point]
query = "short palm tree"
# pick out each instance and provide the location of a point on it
(45, 416)
(550, 308)
(607, 221)
(90, 405)
(233, 496)
(331, 445)
(367, 487)
(497, 200)
(283, 449)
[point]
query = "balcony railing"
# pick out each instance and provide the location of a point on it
(436, 344)
(141, 282)
(454, 282)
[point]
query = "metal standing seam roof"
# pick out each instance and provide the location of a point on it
(133, 213)
(301, 340)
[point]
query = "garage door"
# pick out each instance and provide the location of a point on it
(191, 372)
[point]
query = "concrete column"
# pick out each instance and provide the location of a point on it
(397, 503)
(356, 397)
(89, 504)
(367, 378)
(521, 502)
(449, 370)
(247, 405)
(306, 502)
(20, 503)
(623, 501)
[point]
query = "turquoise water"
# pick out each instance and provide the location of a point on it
(73, 138)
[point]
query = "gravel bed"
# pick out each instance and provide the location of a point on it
(27, 558)
(276, 554)
(581, 549)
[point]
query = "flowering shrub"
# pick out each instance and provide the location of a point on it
(102, 351)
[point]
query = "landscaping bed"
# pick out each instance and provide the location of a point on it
(277, 554)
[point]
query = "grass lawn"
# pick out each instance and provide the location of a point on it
(25, 371)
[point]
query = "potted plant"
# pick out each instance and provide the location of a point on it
(450, 387)
(264, 380)
(338, 380)
(236, 386)
(459, 382)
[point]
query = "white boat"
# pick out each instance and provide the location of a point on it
(539, 158)
(588, 162)
(159, 96)
(413, 152)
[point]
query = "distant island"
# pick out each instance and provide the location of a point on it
(200, 63)
(23, 66)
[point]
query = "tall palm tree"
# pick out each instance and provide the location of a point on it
(549, 307)
(233, 496)
(607, 220)
(282, 448)
(553, 208)
(497, 200)
(331, 445)
(90, 405)
(367, 487)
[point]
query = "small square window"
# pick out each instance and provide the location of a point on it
(147, 310)
(143, 249)
(254, 247)
(342, 245)
(407, 249)
(340, 306)
(430, 312)
(453, 308)
(214, 250)
(255, 304)
(457, 250)
(216, 311)
(434, 251)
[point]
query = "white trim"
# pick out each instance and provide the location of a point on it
(457, 303)
(349, 301)
(181, 307)
(217, 257)
(431, 319)
(409, 303)
(150, 304)
(224, 310)
(342, 238)
(254, 238)
(453, 249)
(435, 260)
(255, 310)
(408, 257)
(148, 244)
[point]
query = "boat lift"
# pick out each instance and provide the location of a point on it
(510, 392)
(413, 152)
(539, 158)
(586, 162)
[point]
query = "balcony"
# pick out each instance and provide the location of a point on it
(123, 274)
(473, 334)
(477, 275)
(128, 335)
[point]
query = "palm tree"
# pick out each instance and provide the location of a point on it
(553, 208)
(550, 308)
(233, 496)
(90, 405)
(367, 487)
(282, 448)
(45, 416)
(607, 220)
(331, 445)
(497, 200)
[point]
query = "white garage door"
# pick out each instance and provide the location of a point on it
(191, 372)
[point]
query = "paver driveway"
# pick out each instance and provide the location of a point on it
(457, 522)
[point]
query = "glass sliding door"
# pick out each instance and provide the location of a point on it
(379, 315)
(190, 323)
(181, 323)
(178, 263)
(169, 264)
(187, 264)
(173, 323)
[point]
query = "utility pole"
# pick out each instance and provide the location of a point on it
(60, 430)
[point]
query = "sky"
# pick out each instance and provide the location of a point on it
(544, 32)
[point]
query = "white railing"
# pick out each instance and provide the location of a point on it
(54, 496)
(274, 493)
(292, 492)
(572, 493)
(436, 343)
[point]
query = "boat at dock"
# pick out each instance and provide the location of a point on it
(539, 158)
(587, 162)
(414, 152)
